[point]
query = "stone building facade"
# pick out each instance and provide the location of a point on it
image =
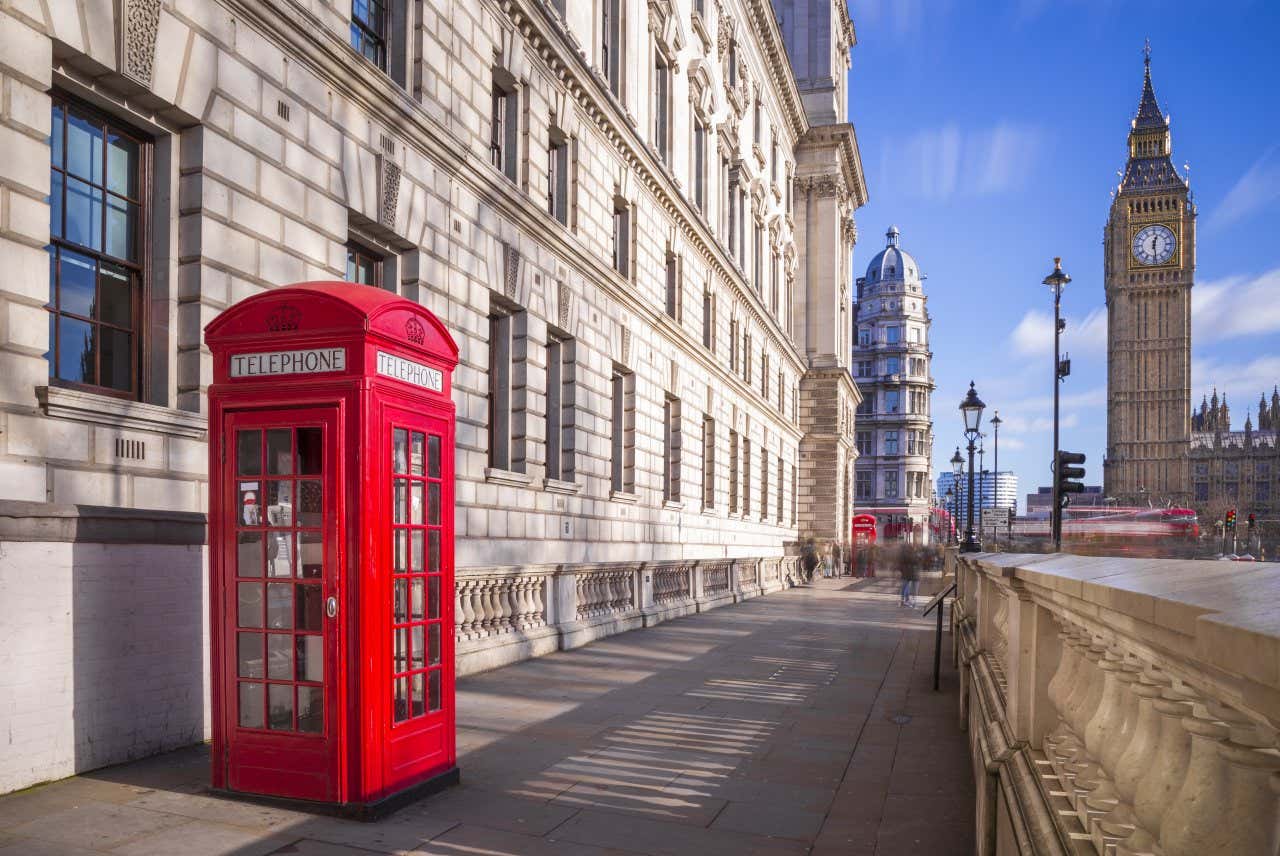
(634, 217)
(891, 361)
(1236, 469)
(1150, 261)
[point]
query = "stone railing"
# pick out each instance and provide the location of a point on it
(503, 615)
(1121, 706)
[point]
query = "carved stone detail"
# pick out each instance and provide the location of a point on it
(140, 24)
(562, 304)
(388, 191)
(626, 346)
(510, 269)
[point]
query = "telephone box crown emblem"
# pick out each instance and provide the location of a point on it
(415, 332)
(284, 318)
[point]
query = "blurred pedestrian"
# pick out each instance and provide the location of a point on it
(909, 569)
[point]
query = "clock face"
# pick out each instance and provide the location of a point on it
(1154, 245)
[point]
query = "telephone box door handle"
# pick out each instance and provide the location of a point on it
(331, 607)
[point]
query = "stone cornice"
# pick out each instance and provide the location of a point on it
(765, 24)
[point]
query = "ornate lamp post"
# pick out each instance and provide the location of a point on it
(995, 464)
(971, 409)
(957, 469)
(1057, 282)
(982, 479)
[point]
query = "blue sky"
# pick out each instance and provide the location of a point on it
(991, 134)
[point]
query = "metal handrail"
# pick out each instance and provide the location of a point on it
(937, 603)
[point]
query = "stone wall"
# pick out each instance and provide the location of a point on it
(1120, 706)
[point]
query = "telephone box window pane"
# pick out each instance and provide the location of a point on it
(249, 554)
(250, 705)
(280, 605)
(417, 550)
(402, 649)
(401, 699)
(416, 454)
(250, 504)
(417, 647)
(419, 695)
(279, 657)
(249, 604)
(279, 555)
(311, 709)
(433, 504)
(402, 551)
(434, 643)
(280, 707)
(433, 564)
(433, 456)
(310, 555)
(308, 607)
(310, 452)
(249, 655)
(279, 503)
(401, 601)
(400, 503)
(433, 597)
(400, 444)
(309, 496)
(433, 685)
(311, 658)
(417, 599)
(415, 506)
(280, 451)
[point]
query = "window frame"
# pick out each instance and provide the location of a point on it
(383, 40)
(141, 270)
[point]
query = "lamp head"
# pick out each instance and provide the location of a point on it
(957, 462)
(1059, 278)
(971, 409)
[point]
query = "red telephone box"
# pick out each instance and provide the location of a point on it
(331, 547)
(863, 531)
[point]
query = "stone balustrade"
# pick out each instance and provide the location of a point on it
(1121, 706)
(503, 615)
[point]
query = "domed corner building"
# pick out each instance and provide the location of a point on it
(894, 429)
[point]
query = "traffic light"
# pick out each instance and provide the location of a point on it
(1253, 521)
(1231, 520)
(1064, 472)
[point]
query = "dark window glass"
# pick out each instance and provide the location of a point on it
(96, 269)
(363, 266)
(369, 30)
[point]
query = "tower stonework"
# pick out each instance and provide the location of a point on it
(1150, 261)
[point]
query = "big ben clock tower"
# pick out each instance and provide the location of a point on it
(1150, 268)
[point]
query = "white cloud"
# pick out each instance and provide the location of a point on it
(1033, 337)
(901, 17)
(1256, 189)
(1240, 382)
(1236, 306)
(938, 163)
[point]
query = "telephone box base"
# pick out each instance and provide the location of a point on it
(365, 812)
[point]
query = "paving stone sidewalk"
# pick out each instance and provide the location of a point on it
(799, 723)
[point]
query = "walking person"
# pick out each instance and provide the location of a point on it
(909, 570)
(828, 561)
(808, 559)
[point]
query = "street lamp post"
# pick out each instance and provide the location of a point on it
(995, 464)
(982, 479)
(971, 409)
(957, 469)
(1057, 281)
(949, 499)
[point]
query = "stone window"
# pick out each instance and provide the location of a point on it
(891, 365)
(709, 320)
(370, 22)
(558, 167)
(782, 395)
(675, 286)
(561, 423)
(893, 335)
(791, 180)
(623, 430)
(775, 265)
(700, 165)
(746, 476)
(731, 212)
(621, 237)
(363, 265)
(1262, 491)
(795, 490)
(99, 183)
(611, 44)
(662, 107)
(756, 122)
(506, 344)
(757, 259)
(764, 376)
(891, 484)
(773, 156)
(864, 443)
(733, 345)
(863, 485)
(504, 125)
(764, 483)
(864, 337)
(733, 471)
(780, 483)
(671, 449)
(892, 401)
(891, 442)
(746, 357)
(708, 462)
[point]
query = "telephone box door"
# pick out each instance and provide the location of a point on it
(418, 539)
(280, 624)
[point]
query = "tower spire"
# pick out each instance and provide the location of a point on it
(1149, 115)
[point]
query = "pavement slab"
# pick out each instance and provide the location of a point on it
(803, 722)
